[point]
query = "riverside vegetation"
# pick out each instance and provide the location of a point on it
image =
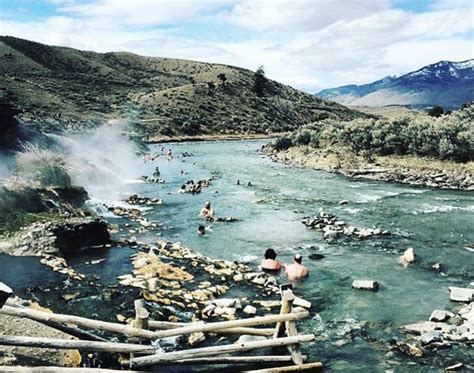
(413, 148)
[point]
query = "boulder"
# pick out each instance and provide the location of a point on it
(250, 310)
(461, 294)
(365, 285)
(5, 293)
(431, 336)
(427, 326)
(439, 315)
(408, 257)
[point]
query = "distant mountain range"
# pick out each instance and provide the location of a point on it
(445, 83)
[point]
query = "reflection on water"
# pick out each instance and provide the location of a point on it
(437, 224)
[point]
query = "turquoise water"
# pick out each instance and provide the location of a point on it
(437, 224)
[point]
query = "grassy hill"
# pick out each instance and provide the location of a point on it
(169, 96)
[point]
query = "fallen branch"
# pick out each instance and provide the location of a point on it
(310, 367)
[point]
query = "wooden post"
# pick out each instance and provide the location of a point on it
(141, 314)
(287, 299)
(59, 370)
(5, 292)
(217, 350)
(66, 344)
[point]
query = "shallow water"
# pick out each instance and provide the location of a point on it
(437, 224)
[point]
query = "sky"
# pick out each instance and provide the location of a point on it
(309, 44)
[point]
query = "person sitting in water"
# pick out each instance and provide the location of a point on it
(182, 189)
(202, 229)
(296, 271)
(270, 263)
(249, 184)
(157, 172)
(207, 212)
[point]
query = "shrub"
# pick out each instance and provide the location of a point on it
(282, 143)
(449, 137)
(42, 166)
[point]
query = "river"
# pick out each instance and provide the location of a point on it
(350, 325)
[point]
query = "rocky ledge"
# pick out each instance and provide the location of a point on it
(58, 237)
(431, 174)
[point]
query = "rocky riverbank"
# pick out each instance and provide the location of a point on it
(406, 170)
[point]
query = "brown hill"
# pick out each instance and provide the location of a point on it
(169, 96)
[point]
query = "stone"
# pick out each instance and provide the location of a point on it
(408, 257)
(454, 368)
(196, 338)
(431, 336)
(457, 294)
(250, 310)
(316, 256)
(5, 293)
(238, 277)
(365, 285)
(410, 349)
(343, 202)
(427, 326)
(245, 338)
(439, 315)
(227, 302)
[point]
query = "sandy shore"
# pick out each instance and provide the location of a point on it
(407, 170)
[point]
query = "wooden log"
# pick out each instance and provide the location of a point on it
(5, 293)
(212, 327)
(66, 344)
(17, 369)
(310, 367)
(287, 299)
(76, 320)
(73, 331)
(235, 360)
(295, 350)
(217, 350)
(166, 325)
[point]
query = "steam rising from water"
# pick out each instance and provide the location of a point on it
(102, 161)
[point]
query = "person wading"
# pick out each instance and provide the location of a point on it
(269, 263)
(296, 271)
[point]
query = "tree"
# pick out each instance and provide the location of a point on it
(260, 82)
(222, 78)
(436, 111)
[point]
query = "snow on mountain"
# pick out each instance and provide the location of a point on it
(445, 83)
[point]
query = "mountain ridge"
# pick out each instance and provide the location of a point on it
(169, 96)
(444, 83)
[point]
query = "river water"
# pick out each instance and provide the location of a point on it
(352, 327)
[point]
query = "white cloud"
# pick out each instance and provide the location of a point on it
(142, 12)
(307, 44)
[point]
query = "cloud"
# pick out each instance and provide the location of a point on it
(142, 12)
(310, 45)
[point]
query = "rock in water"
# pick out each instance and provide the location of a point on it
(365, 285)
(408, 257)
(461, 294)
(439, 315)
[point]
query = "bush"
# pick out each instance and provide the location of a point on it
(42, 166)
(436, 111)
(282, 143)
(449, 137)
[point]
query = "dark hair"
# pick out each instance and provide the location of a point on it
(270, 254)
(298, 258)
(183, 186)
(201, 228)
